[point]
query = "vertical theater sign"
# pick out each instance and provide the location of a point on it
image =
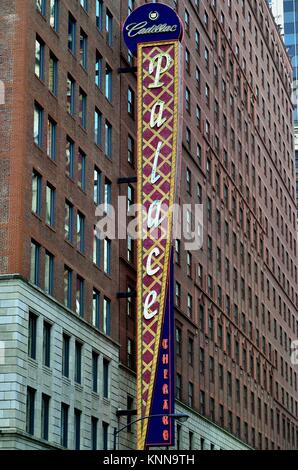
(153, 33)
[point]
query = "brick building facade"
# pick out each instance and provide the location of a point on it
(68, 133)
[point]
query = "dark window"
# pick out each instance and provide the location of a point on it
(99, 14)
(35, 263)
(30, 410)
(71, 34)
(94, 372)
(47, 344)
(109, 27)
(78, 362)
(54, 14)
(32, 335)
(83, 49)
(65, 355)
(49, 273)
(64, 424)
(45, 410)
(77, 423)
(94, 428)
(106, 380)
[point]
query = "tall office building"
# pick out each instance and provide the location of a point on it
(67, 300)
(285, 13)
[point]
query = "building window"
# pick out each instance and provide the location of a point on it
(69, 221)
(131, 6)
(98, 70)
(71, 89)
(77, 428)
(131, 150)
(130, 302)
(178, 386)
(230, 421)
(212, 414)
(82, 170)
(30, 411)
(46, 349)
(35, 263)
(108, 139)
(83, 108)
(188, 137)
(41, 6)
(52, 139)
(64, 425)
(38, 125)
(206, 55)
(177, 251)
(202, 403)
(32, 335)
(97, 127)
(130, 249)
(78, 363)
(189, 305)
(97, 186)
(69, 154)
(190, 351)
(45, 412)
(107, 255)
(130, 354)
(109, 83)
(186, 21)
(50, 205)
(109, 27)
(105, 436)
(72, 26)
(53, 74)
(84, 4)
(99, 14)
(49, 273)
(187, 99)
(83, 49)
(178, 342)
(221, 416)
(94, 372)
(178, 294)
(130, 197)
(94, 428)
(67, 287)
(36, 193)
(221, 377)
(107, 195)
(211, 327)
(190, 394)
(198, 78)
(202, 361)
(54, 14)
(131, 102)
(107, 316)
(80, 297)
(106, 378)
(96, 309)
(211, 369)
(65, 355)
(39, 58)
(96, 248)
(80, 232)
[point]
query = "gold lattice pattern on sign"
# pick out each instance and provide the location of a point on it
(149, 334)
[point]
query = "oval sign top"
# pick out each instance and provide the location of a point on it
(149, 23)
